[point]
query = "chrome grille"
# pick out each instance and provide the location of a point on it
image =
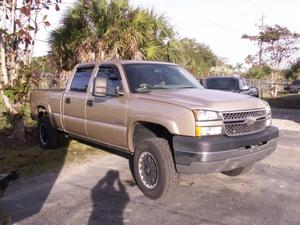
(243, 123)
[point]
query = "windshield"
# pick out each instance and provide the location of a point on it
(145, 77)
(296, 82)
(222, 83)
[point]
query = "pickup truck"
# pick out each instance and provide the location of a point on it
(159, 114)
(234, 84)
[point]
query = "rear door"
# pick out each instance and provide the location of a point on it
(74, 101)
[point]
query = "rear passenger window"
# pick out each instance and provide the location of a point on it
(81, 79)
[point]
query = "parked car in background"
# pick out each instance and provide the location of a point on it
(294, 87)
(232, 84)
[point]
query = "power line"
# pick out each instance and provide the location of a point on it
(41, 40)
(202, 18)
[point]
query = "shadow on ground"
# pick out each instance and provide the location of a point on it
(109, 199)
(108, 195)
(22, 158)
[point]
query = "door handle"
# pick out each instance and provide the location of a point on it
(89, 102)
(67, 100)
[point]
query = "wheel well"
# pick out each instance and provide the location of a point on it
(41, 111)
(144, 130)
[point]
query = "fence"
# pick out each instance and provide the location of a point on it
(266, 86)
(49, 80)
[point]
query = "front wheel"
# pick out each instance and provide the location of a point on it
(154, 168)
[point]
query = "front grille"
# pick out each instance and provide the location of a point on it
(245, 122)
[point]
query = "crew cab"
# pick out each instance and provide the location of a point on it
(236, 84)
(161, 116)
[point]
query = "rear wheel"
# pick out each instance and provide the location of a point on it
(154, 168)
(238, 171)
(48, 136)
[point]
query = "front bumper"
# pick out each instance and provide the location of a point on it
(222, 153)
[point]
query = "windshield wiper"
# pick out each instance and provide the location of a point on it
(187, 87)
(158, 87)
(142, 90)
(148, 88)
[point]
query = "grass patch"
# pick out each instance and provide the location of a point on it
(290, 101)
(3, 121)
(32, 160)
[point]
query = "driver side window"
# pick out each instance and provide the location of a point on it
(113, 78)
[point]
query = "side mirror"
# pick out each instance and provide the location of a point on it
(254, 91)
(100, 87)
(245, 88)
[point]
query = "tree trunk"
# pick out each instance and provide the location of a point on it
(8, 105)
(2, 47)
(276, 86)
(18, 122)
(272, 84)
(19, 130)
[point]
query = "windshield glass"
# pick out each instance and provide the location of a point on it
(222, 83)
(296, 82)
(145, 77)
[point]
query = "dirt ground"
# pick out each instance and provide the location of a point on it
(102, 191)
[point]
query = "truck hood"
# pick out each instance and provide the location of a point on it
(204, 99)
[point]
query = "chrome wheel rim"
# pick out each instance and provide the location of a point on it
(148, 170)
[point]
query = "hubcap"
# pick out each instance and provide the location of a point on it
(148, 170)
(43, 134)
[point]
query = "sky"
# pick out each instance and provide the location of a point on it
(216, 23)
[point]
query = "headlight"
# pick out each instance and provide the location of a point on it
(206, 131)
(267, 108)
(203, 115)
(208, 123)
(269, 122)
(269, 114)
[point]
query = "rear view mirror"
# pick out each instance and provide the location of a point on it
(100, 87)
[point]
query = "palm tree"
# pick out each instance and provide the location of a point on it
(112, 30)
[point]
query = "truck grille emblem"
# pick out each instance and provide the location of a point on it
(250, 120)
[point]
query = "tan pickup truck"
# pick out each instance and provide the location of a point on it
(161, 116)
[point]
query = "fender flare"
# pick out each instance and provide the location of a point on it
(48, 110)
(169, 125)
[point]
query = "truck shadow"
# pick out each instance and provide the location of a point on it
(109, 199)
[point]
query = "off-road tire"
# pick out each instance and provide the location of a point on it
(238, 171)
(167, 177)
(51, 140)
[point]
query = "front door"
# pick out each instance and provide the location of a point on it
(106, 116)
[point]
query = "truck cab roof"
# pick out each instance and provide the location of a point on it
(122, 62)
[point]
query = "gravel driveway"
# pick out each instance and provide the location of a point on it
(102, 191)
